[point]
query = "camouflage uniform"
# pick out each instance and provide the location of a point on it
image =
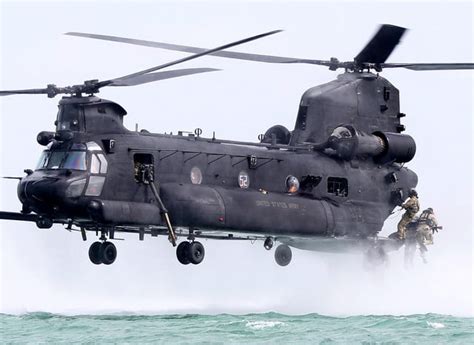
(424, 232)
(411, 206)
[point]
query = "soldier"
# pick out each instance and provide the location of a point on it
(412, 206)
(427, 224)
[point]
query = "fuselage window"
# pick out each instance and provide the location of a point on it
(338, 186)
(196, 175)
(292, 184)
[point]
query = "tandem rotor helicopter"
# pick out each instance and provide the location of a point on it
(327, 185)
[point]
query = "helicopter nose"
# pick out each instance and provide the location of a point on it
(44, 190)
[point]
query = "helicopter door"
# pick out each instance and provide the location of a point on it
(143, 167)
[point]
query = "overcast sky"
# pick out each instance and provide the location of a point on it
(50, 270)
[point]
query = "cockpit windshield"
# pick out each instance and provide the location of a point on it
(74, 160)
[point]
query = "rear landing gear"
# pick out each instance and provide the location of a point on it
(375, 257)
(102, 253)
(283, 255)
(190, 252)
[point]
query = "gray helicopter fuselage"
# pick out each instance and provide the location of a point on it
(213, 184)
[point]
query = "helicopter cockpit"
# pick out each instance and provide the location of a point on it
(84, 163)
(73, 159)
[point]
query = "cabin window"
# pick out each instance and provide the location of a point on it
(292, 184)
(196, 175)
(338, 186)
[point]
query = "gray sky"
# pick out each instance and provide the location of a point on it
(50, 270)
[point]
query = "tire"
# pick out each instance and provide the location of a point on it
(268, 244)
(283, 255)
(196, 253)
(182, 253)
(375, 257)
(95, 254)
(109, 253)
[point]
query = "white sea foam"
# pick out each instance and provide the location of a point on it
(263, 324)
(435, 325)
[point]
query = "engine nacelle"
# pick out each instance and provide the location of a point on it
(347, 143)
(400, 148)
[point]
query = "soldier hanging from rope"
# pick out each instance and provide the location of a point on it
(427, 226)
(412, 206)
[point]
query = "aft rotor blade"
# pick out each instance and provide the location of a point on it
(150, 77)
(192, 57)
(381, 45)
(197, 50)
(430, 66)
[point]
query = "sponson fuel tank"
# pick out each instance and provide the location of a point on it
(248, 210)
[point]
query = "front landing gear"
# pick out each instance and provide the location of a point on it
(102, 253)
(190, 252)
(283, 255)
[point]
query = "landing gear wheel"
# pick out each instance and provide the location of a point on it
(375, 257)
(283, 255)
(44, 223)
(109, 253)
(182, 253)
(95, 254)
(268, 244)
(196, 253)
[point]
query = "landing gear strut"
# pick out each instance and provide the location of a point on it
(190, 252)
(102, 253)
(283, 255)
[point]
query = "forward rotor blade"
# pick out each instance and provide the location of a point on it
(150, 77)
(192, 57)
(197, 50)
(430, 66)
(24, 92)
(381, 45)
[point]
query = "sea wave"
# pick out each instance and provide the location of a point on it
(41, 327)
(263, 324)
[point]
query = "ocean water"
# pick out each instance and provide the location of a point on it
(268, 328)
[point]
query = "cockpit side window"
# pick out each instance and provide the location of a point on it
(95, 164)
(98, 163)
(43, 160)
(103, 163)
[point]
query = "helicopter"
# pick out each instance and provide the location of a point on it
(328, 185)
